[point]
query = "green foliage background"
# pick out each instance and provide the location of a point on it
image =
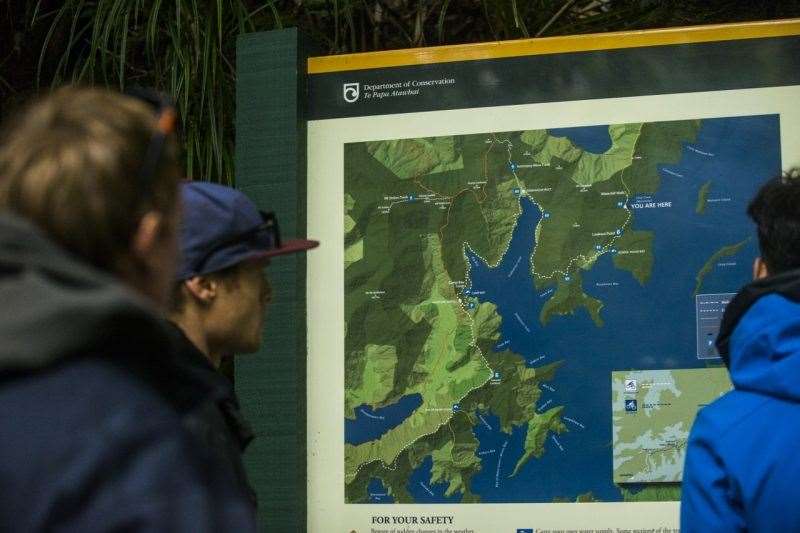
(187, 47)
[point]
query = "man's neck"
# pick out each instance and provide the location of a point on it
(194, 329)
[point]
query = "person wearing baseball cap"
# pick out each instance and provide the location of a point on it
(220, 298)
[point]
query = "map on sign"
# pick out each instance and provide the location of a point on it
(494, 281)
(653, 411)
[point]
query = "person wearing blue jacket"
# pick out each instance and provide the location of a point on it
(742, 467)
(91, 432)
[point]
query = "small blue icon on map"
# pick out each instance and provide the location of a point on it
(516, 192)
(471, 305)
(631, 406)
(619, 232)
(467, 292)
(546, 215)
(567, 278)
(412, 197)
(497, 375)
(620, 204)
(456, 408)
(598, 247)
(525, 531)
(613, 250)
(512, 166)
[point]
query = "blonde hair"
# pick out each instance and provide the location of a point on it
(71, 164)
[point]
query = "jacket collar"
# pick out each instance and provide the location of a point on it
(786, 284)
(196, 380)
(61, 307)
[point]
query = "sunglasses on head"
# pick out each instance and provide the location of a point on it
(166, 121)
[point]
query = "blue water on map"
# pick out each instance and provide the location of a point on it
(499, 453)
(371, 424)
(423, 491)
(594, 139)
(378, 493)
(645, 327)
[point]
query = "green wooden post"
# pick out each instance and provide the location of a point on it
(271, 170)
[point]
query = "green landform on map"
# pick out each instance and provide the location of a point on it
(413, 207)
(708, 266)
(702, 197)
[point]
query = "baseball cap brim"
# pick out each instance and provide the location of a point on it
(292, 246)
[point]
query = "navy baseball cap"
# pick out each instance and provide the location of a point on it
(222, 227)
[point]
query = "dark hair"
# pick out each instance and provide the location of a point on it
(71, 164)
(776, 212)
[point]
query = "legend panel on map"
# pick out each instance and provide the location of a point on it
(708, 310)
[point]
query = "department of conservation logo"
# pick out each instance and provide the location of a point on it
(351, 92)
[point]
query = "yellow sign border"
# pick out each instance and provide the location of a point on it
(553, 45)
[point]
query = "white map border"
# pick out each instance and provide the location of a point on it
(326, 508)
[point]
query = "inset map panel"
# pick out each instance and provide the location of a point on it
(708, 310)
(653, 411)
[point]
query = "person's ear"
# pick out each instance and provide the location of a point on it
(151, 264)
(760, 269)
(147, 236)
(202, 288)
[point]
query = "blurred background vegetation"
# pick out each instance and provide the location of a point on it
(187, 47)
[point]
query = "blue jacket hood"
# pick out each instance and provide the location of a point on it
(765, 348)
(759, 339)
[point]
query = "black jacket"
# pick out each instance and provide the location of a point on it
(90, 439)
(209, 408)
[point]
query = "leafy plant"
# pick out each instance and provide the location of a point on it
(185, 48)
(346, 26)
